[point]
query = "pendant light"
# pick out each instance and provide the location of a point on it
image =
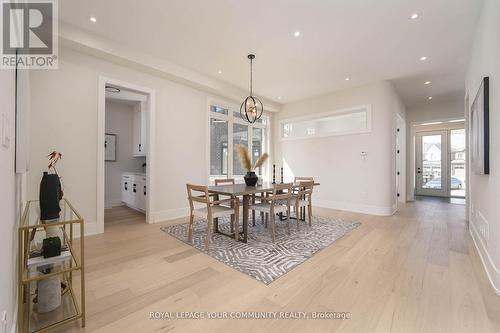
(251, 109)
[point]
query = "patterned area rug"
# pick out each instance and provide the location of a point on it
(260, 258)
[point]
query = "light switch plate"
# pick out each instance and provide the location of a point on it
(5, 131)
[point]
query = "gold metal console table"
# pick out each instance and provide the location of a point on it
(33, 267)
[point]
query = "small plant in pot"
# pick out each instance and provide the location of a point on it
(246, 162)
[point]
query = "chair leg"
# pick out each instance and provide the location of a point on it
(309, 211)
(288, 211)
(233, 217)
(266, 219)
(273, 230)
(236, 228)
(297, 218)
(208, 238)
(190, 228)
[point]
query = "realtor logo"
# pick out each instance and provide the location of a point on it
(29, 34)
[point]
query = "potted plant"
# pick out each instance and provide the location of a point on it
(246, 162)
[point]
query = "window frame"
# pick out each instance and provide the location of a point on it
(232, 119)
(355, 109)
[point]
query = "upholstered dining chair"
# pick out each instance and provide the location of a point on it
(302, 198)
(270, 205)
(213, 209)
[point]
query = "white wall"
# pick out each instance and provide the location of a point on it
(64, 118)
(119, 121)
(347, 182)
(485, 189)
(434, 110)
(9, 201)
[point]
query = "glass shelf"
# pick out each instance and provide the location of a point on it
(33, 267)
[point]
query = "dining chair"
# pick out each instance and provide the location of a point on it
(299, 179)
(302, 199)
(271, 206)
(214, 209)
(230, 181)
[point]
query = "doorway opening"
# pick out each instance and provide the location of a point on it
(440, 159)
(124, 175)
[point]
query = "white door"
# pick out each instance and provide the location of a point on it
(431, 170)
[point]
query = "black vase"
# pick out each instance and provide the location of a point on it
(50, 195)
(251, 178)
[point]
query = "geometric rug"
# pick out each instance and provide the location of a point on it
(260, 258)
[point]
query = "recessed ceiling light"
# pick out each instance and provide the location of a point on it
(279, 97)
(220, 71)
(296, 33)
(423, 58)
(427, 82)
(414, 16)
(430, 97)
(347, 79)
(93, 19)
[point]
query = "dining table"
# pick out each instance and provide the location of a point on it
(247, 193)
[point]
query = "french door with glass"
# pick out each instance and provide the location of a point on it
(432, 177)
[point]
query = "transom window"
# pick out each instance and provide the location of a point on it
(226, 130)
(347, 121)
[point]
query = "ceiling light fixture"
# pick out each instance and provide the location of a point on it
(251, 109)
(347, 79)
(423, 58)
(296, 33)
(220, 71)
(414, 16)
(427, 82)
(430, 97)
(93, 19)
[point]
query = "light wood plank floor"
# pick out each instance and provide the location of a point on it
(416, 271)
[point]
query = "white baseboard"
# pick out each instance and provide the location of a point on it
(112, 203)
(90, 229)
(492, 271)
(169, 214)
(357, 208)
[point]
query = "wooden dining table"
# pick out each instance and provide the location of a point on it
(242, 190)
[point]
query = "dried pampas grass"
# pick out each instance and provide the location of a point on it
(244, 157)
(246, 160)
(261, 160)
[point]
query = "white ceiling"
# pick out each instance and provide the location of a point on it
(366, 40)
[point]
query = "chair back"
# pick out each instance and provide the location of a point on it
(197, 193)
(305, 188)
(282, 192)
(224, 181)
(301, 179)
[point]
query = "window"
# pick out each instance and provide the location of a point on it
(225, 122)
(348, 121)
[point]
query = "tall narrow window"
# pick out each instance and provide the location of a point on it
(226, 130)
(218, 147)
(240, 137)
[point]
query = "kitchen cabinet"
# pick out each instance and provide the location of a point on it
(139, 130)
(134, 190)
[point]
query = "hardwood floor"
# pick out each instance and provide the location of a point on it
(416, 271)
